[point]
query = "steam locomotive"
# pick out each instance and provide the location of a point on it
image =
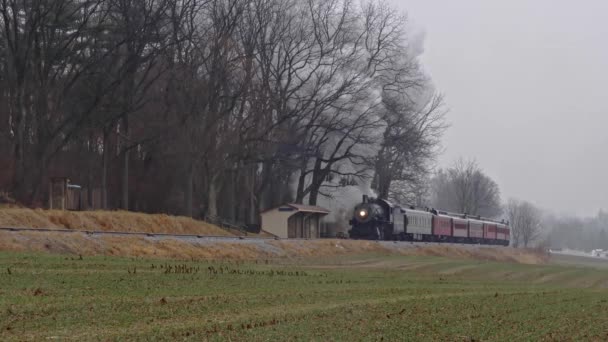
(378, 219)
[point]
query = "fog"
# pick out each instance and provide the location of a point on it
(525, 83)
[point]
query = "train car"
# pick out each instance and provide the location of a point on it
(489, 231)
(378, 219)
(398, 232)
(502, 234)
(419, 225)
(460, 229)
(475, 231)
(442, 227)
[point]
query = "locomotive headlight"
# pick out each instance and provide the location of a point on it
(363, 213)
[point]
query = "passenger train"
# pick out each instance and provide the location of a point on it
(378, 219)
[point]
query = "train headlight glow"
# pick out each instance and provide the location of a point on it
(363, 213)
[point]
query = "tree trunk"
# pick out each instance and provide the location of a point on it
(300, 191)
(314, 193)
(104, 169)
(90, 185)
(125, 181)
(125, 166)
(41, 176)
(318, 176)
(189, 185)
(212, 198)
(231, 188)
(379, 173)
(252, 203)
(90, 160)
(19, 173)
(264, 191)
(384, 184)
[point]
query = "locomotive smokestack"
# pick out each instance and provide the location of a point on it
(364, 198)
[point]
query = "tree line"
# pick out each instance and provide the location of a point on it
(212, 107)
(465, 188)
(583, 234)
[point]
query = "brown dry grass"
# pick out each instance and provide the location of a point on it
(106, 221)
(78, 243)
(127, 246)
(321, 248)
(522, 256)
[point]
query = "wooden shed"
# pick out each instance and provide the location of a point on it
(294, 221)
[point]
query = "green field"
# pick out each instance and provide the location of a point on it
(368, 298)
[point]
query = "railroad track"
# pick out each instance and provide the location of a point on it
(214, 237)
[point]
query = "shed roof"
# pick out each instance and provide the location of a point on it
(303, 208)
(309, 208)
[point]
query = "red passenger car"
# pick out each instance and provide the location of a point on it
(475, 229)
(503, 234)
(461, 228)
(442, 225)
(489, 231)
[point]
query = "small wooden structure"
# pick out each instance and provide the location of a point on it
(63, 195)
(58, 189)
(294, 221)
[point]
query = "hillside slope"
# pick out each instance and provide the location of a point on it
(122, 221)
(194, 248)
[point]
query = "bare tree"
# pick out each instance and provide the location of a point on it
(466, 189)
(45, 51)
(136, 29)
(411, 140)
(365, 58)
(525, 221)
(211, 107)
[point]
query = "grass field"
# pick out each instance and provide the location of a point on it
(576, 260)
(350, 298)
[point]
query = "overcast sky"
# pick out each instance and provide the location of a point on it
(526, 84)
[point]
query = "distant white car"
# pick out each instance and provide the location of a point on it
(599, 253)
